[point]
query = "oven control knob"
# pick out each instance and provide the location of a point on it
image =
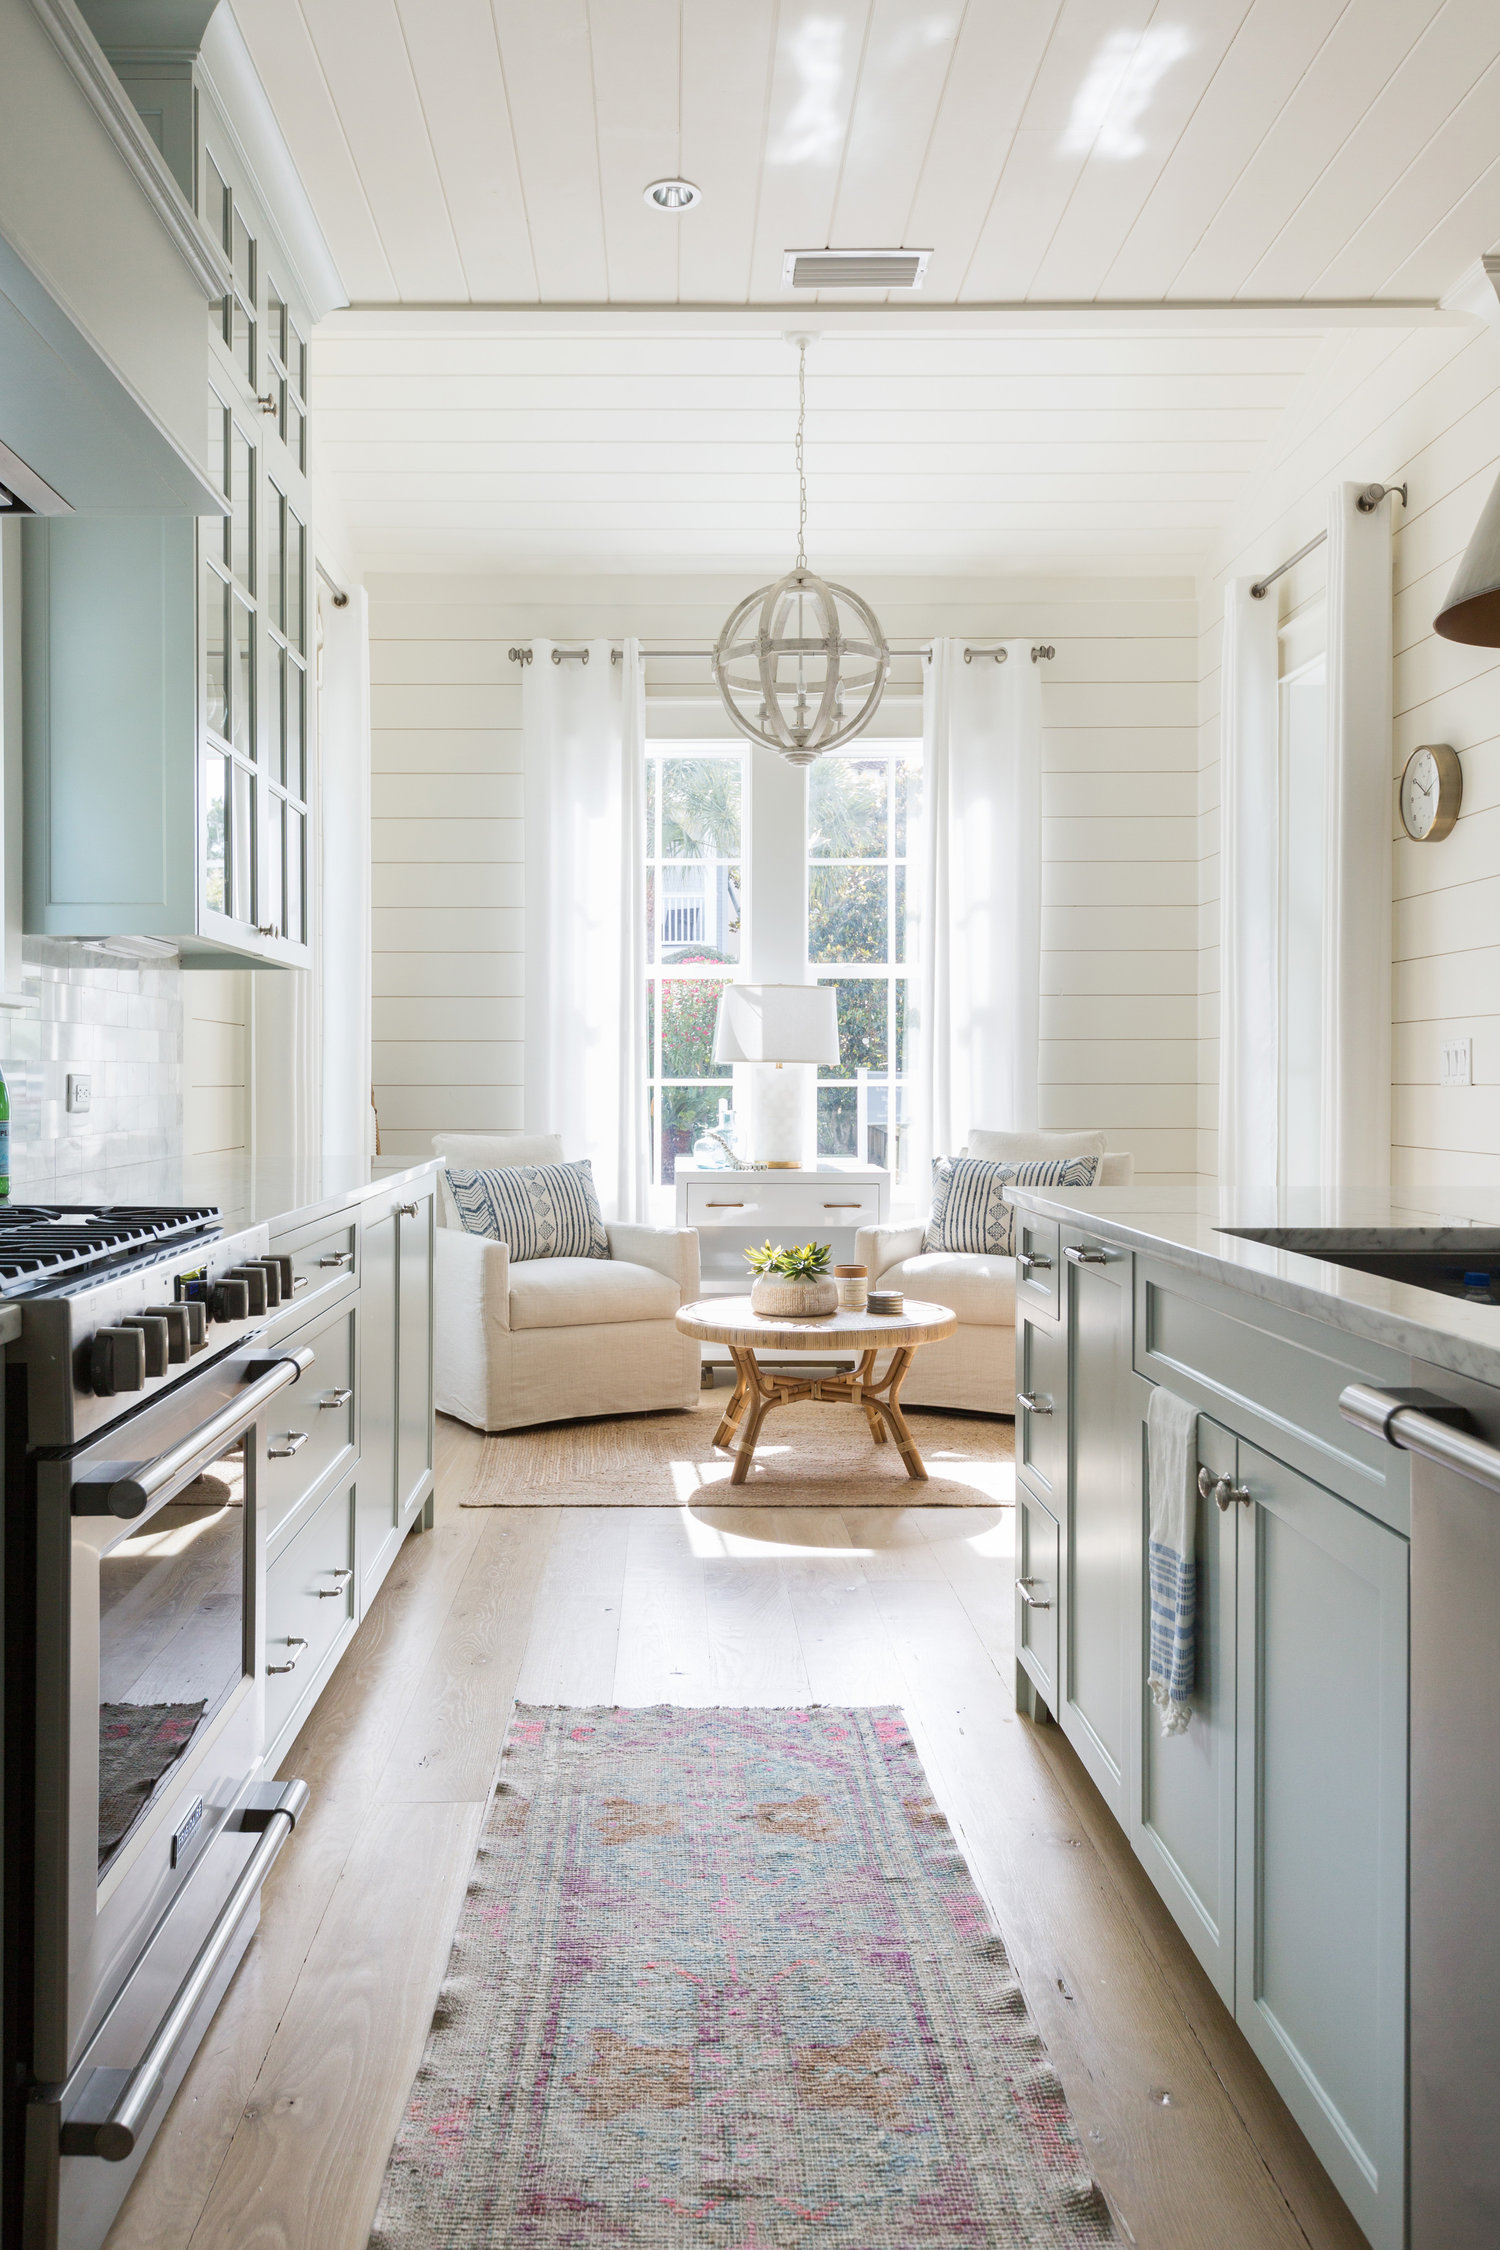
(158, 1339)
(257, 1281)
(118, 1361)
(229, 1300)
(278, 1279)
(179, 1330)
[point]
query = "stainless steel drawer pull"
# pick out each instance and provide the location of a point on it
(1035, 1402)
(406, 1210)
(295, 1440)
(104, 2110)
(1023, 1588)
(340, 1397)
(1224, 1491)
(1081, 1255)
(299, 1280)
(1032, 1261)
(341, 1579)
(337, 1258)
(296, 1648)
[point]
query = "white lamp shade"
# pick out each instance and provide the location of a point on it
(777, 1023)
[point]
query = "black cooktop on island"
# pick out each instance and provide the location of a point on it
(50, 1245)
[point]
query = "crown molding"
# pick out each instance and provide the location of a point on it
(86, 59)
(234, 84)
(1156, 316)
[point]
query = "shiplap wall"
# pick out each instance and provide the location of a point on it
(1120, 916)
(1422, 408)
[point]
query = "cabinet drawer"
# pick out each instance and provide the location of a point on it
(1042, 1428)
(325, 1266)
(1036, 1594)
(309, 1600)
(1037, 1261)
(310, 1427)
(750, 1202)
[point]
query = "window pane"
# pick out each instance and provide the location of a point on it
(863, 1033)
(846, 808)
(908, 803)
(296, 729)
(296, 875)
(700, 808)
(296, 540)
(650, 808)
(685, 1113)
(215, 858)
(271, 863)
(689, 1011)
(838, 1121)
(242, 497)
(904, 1043)
(847, 918)
(651, 914)
(275, 537)
(900, 914)
(241, 679)
(700, 911)
(215, 598)
(242, 846)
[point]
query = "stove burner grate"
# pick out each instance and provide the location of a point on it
(40, 1241)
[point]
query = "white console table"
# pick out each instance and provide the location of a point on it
(737, 1211)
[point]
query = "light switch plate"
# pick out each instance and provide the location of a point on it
(1457, 1066)
(80, 1092)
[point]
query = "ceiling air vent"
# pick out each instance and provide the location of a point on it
(854, 269)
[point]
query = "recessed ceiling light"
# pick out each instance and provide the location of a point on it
(673, 195)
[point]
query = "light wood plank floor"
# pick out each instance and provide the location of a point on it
(279, 2136)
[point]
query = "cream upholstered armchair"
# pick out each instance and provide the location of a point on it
(976, 1367)
(553, 1339)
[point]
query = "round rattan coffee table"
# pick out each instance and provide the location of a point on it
(730, 1321)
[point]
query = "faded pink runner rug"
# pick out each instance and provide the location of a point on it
(723, 1982)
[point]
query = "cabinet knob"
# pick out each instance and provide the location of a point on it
(1224, 1491)
(406, 1210)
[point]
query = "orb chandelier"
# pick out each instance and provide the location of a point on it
(801, 665)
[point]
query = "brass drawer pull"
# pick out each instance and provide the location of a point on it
(337, 1258)
(340, 1397)
(341, 1578)
(1023, 1588)
(295, 1440)
(297, 1648)
(1035, 1402)
(723, 1206)
(843, 1207)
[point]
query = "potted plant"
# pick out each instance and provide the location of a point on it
(792, 1284)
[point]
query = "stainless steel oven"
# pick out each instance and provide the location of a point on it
(153, 1827)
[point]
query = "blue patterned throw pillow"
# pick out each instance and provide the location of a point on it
(969, 1211)
(536, 1210)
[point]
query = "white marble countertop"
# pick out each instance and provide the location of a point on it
(279, 1195)
(1186, 1227)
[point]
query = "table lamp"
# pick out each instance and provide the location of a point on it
(774, 1026)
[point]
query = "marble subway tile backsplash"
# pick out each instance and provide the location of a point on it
(119, 1021)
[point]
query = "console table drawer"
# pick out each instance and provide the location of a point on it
(758, 1202)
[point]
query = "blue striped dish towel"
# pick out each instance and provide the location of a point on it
(1172, 1473)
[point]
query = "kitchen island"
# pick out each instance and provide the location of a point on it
(1319, 1828)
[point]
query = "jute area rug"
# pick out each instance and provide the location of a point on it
(811, 1456)
(722, 1982)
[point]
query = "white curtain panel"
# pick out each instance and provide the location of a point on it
(1357, 894)
(1249, 889)
(979, 915)
(584, 735)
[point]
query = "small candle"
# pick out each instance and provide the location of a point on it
(854, 1287)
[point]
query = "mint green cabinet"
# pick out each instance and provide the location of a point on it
(1100, 1639)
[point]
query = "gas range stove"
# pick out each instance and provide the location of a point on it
(117, 1302)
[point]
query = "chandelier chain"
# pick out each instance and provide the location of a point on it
(801, 461)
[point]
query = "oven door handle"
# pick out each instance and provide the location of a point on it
(127, 2095)
(132, 1495)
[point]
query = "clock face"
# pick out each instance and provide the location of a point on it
(1431, 791)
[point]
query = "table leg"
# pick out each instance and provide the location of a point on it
(891, 1408)
(736, 1406)
(861, 1386)
(758, 1405)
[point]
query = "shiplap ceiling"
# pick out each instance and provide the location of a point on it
(493, 153)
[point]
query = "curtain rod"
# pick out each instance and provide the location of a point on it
(1041, 653)
(340, 598)
(1368, 501)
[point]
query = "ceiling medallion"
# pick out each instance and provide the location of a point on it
(801, 665)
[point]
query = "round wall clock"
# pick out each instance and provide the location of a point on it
(1432, 788)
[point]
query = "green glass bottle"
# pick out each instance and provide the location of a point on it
(4, 1139)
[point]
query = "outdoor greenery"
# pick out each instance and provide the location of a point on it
(809, 1263)
(689, 1011)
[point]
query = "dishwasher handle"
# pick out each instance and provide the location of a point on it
(1424, 1422)
(104, 2110)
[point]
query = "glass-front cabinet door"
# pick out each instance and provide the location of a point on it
(255, 760)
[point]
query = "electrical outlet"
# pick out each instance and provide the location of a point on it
(1457, 1067)
(80, 1092)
